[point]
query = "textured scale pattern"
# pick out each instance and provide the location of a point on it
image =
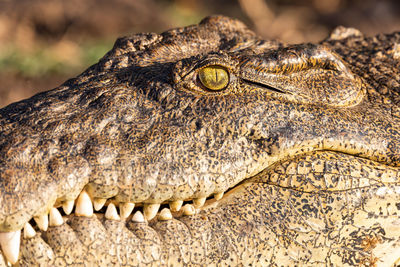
(304, 141)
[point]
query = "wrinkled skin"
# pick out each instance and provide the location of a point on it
(306, 136)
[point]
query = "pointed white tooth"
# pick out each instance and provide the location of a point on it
(188, 209)
(165, 215)
(175, 205)
(84, 205)
(218, 196)
(111, 213)
(42, 222)
(9, 243)
(68, 206)
(138, 217)
(199, 202)
(98, 203)
(125, 209)
(150, 210)
(29, 232)
(55, 217)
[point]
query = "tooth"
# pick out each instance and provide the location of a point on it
(165, 214)
(98, 203)
(150, 210)
(188, 209)
(42, 222)
(84, 205)
(9, 243)
(125, 209)
(218, 196)
(175, 205)
(29, 232)
(68, 206)
(55, 217)
(199, 202)
(138, 217)
(111, 213)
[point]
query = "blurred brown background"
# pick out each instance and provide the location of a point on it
(45, 42)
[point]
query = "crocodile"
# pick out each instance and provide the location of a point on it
(209, 146)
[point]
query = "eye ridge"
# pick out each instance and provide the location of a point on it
(214, 77)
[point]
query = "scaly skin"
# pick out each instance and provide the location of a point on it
(306, 136)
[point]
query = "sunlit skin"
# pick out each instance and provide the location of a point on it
(207, 145)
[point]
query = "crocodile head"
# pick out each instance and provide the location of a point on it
(303, 140)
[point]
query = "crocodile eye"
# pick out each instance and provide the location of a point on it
(214, 77)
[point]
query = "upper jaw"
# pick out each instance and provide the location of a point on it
(200, 160)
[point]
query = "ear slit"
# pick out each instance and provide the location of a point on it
(266, 86)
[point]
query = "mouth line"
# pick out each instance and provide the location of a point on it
(85, 206)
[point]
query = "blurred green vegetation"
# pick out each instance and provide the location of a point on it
(45, 42)
(42, 61)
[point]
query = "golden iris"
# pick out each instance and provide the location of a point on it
(214, 77)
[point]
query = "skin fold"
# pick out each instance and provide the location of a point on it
(303, 140)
